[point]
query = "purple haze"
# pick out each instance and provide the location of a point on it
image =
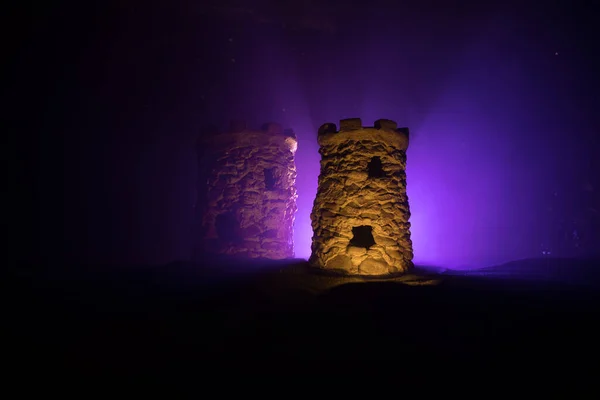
(476, 169)
(498, 101)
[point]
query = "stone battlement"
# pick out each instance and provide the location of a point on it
(384, 130)
(268, 134)
(354, 124)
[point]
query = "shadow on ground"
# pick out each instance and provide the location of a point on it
(131, 318)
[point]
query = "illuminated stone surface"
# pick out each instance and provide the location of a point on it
(360, 217)
(247, 192)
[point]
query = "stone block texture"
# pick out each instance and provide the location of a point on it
(360, 217)
(247, 192)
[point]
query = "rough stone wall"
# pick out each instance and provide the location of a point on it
(361, 212)
(247, 192)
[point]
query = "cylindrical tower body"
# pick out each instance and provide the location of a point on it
(247, 193)
(360, 215)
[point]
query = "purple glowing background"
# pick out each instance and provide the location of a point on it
(483, 134)
(496, 99)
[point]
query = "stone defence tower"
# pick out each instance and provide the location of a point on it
(247, 192)
(360, 215)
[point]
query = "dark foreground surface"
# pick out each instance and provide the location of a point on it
(152, 318)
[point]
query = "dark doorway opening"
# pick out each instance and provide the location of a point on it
(363, 236)
(227, 227)
(270, 178)
(375, 168)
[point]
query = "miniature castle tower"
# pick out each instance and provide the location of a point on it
(247, 192)
(360, 214)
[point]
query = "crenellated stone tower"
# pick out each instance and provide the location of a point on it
(247, 192)
(361, 212)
